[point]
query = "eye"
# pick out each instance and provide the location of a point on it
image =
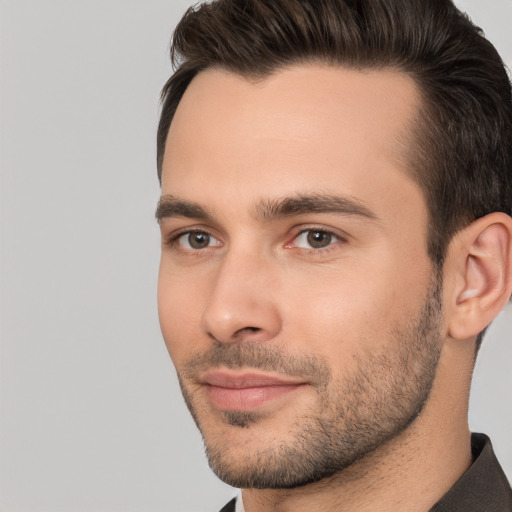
(315, 239)
(196, 240)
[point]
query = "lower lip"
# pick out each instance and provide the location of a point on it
(247, 399)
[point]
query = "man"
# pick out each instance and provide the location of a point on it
(336, 237)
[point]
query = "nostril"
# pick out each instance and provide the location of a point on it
(248, 329)
(246, 333)
(238, 335)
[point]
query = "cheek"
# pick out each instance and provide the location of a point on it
(179, 312)
(350, 312)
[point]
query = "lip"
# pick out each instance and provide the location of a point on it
(247, 391)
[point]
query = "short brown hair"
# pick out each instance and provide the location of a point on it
(460, 151)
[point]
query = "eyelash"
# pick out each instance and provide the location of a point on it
(334, 240)
(173, 241)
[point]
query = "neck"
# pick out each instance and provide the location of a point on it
(411, 472)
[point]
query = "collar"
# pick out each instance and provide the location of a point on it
(483, 486)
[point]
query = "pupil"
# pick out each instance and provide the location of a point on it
(199, 240)
(319, 239)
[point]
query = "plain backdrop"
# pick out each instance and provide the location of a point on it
(91, 418)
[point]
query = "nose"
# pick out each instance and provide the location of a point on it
(242, 300)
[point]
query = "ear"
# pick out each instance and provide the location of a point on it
(480, 263)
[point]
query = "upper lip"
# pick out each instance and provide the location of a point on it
(252, 379)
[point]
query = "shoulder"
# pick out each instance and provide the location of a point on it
(229, 507)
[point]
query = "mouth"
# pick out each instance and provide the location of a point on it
(247, 391)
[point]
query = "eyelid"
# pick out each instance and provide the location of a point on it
(185, 242)
(173, 238)
(339, 236)
(303, 236)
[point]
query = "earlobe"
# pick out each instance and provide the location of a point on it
(483, 251)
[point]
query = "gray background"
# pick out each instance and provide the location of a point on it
(91, 418)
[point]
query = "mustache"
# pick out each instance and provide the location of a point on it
(258, 356)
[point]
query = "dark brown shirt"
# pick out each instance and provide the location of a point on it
(482, 488)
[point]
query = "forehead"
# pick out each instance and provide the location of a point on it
(297, 125)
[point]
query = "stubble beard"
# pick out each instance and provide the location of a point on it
(353, 417)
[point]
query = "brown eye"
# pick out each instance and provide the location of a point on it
(315, 239)
(319, 239)
(197, 240)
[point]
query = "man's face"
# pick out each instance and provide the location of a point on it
(296, 297)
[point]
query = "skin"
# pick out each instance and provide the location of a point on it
(235, 147)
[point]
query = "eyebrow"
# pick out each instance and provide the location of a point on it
(312, 203)
(169, 206)
(267, 210)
